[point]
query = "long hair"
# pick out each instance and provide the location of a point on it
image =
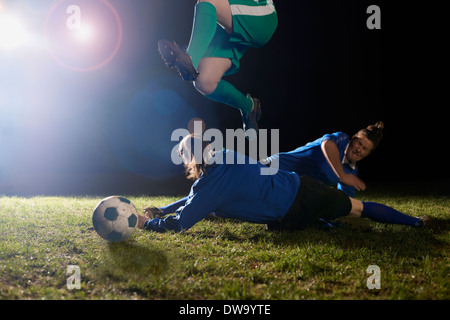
(196, 155)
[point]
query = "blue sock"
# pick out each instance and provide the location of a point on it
(381, 213)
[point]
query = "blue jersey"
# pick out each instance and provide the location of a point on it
(234, 190)
(309, 160)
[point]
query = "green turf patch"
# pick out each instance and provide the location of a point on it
(219, 259)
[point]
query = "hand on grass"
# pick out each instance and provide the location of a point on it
(152, 212)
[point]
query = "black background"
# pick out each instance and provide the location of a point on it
(323, 71)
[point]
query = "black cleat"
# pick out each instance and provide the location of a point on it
(250, 120)
(422, 221)
(176, 58)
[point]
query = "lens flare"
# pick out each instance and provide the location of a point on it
(92, 43)
(13, 33)
(85, 33)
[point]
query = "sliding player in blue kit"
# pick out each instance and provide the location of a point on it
(222, 31)
(331, 159)
(283, 201)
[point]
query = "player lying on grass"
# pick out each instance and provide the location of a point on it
(331, 159)
(222, 31)
(283, 201)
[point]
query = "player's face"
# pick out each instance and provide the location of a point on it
(359, 148)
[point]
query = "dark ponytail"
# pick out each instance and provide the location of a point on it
(374, 133)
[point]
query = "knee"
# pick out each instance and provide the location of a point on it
(210, 1)
(205, 85)
(357, 208)
(216, 3)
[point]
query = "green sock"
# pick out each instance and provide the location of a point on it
(226, 93)
(203, 30)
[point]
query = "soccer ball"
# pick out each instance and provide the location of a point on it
(115, 218)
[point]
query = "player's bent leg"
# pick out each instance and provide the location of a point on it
(357, 208)
(210, 84)
(353, 219)
(203, 30)
(223, 11)
(211, 71)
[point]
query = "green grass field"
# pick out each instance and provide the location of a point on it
(219, 259)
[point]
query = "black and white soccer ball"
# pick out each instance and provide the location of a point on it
(115, 218)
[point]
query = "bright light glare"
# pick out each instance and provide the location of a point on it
(84, 33)
(13, 33)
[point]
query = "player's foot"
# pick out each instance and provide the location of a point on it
(422, 221)
(176, 58)
(250, 120)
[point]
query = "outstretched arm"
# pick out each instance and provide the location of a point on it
(162, 211)
(331, 153)
(197, 207)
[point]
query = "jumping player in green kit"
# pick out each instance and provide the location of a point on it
(223, 30)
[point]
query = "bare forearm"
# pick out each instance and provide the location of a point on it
(331, 152)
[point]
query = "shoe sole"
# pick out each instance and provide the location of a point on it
(175, 58)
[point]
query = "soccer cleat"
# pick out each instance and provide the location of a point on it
(250, 120)
(422, 221)
(176, 58)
